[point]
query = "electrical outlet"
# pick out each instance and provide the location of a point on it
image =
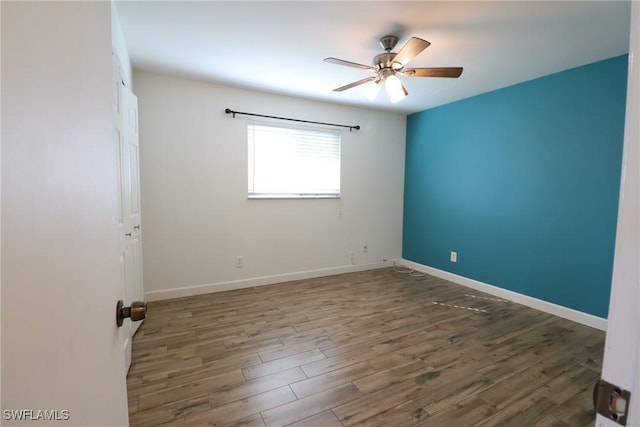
(365, 249)
(239, 262)
(454, 256)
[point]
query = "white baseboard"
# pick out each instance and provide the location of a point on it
(548, 307)
(260, 281)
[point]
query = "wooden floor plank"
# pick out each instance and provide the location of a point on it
(240, 409)
(467, 413)
(374, 348)
(311, 405)
(282, 364)
(226, 395)
(252, 421)
(332, 379)
(204, 385)
(323, 419)
(169, 412)
(406, 414)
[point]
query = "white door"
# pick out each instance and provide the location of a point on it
(61, 278)
(621, 365)
(130, 229)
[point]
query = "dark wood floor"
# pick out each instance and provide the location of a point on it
(377, 348)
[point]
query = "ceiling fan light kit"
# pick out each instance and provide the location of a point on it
(395, 89)
(388, 65)
(371, 91)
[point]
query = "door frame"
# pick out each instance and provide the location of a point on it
(621, 363)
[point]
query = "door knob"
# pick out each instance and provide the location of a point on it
(137, 311)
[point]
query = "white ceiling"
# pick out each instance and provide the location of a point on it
(279, 46)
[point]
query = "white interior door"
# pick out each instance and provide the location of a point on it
(622, 348)
(130, 229)
(61, 279)
(131, 189)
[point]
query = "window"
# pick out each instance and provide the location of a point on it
(293, 162)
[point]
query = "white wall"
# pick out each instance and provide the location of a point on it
(61, 277)
(196, 217)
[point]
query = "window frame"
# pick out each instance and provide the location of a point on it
(253, 195)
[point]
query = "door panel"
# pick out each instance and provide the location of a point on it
(130, 229)
(135, 184)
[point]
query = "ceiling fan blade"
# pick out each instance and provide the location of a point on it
(433, 72)
(412, 48)
(349, 64)
(354, 84)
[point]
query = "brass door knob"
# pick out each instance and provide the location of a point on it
(137, 311)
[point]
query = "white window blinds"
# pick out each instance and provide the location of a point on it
(286, 162)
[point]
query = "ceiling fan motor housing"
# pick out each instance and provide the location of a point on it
(388, 42)
(385, 60)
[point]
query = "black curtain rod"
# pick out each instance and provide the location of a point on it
(228, 111)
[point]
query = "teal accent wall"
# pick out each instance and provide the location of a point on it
(523, 184)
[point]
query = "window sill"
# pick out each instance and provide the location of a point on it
(293, 196)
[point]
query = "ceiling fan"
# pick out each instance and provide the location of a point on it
(388, 65)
